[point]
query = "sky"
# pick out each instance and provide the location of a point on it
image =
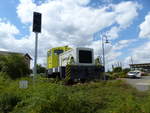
(79, 23)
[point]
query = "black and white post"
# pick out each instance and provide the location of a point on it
(36, 29)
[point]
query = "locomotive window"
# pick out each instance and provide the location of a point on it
(57, 52)
(85, 56)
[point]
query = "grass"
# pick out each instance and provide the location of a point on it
(46, 96)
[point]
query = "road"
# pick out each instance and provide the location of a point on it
(142, 84)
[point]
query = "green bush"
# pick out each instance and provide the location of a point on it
(117, 69)
(145, 74)
(8, 101)
(4, 80)
(40, 69)
(118, 75)
(14, 65)
(44, 96)
(118, 72)
(126, 70)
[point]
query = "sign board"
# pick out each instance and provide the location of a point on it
(23, 84)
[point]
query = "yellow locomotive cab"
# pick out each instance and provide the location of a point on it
(53, 56)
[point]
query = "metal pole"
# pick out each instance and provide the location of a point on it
(35, 58)
(103, 56)
(131, 60)
(132, 63)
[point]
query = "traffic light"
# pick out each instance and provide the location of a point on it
(37, 22)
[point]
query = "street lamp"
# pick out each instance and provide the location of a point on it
(106, 41)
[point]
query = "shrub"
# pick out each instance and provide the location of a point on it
(126, 70)
(40, 69)
(8, 101)
(95, 97)
(145, 74)
(14, 65)
(118, 72)
(117, 69)
(4, 81)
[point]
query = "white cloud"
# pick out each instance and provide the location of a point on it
(144, 27)
(126, 12)
(113, 33)
(25, 10)
(123, 44)
(7, 33)
(1, 49)
(69, 22)
(141, 54)
(6, 28)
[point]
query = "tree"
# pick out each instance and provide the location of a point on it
(40, 69)
(126, 70)
(14, 65)
(117, 69)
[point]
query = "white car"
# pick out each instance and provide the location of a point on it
(134, 74)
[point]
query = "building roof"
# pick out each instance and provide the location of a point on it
(9, 52)
(28, 56)
(146, 64)
(142, 65)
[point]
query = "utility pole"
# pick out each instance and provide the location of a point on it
(132, 63)
(131, 60)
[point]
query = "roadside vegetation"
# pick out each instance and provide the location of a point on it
(50, 96)
(14, 66)
(118, 72)
(45, 95)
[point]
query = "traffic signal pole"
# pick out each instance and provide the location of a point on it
(35, 55)
(36, 29)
